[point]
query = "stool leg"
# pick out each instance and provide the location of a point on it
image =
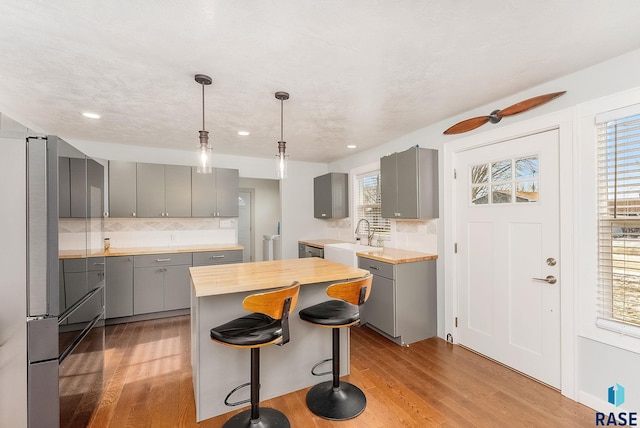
(336, 400)
(257, 417)
(335, 339)
(255, 383)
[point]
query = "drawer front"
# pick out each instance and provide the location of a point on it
(171, 259)
(83, 265)
(206, 258)
(377, 268)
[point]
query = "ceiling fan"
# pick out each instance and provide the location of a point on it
(497, 115)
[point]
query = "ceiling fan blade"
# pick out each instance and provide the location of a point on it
(529, 104)
(467, 125)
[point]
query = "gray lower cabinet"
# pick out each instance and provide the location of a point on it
(402, 303)
(119, 287)
(161, 282)
(144, 284)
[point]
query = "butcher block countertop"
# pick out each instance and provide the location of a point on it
(320, 243)
(136, 251)
(396, 255)
(240, 277)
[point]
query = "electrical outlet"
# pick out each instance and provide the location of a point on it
(225, 223)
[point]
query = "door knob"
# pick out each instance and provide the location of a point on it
(550, 279)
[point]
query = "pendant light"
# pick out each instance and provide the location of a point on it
(281, 157)
(204, 152)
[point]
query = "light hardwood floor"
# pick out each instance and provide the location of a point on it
(429, 384)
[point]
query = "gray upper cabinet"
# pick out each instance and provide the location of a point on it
(409, 184)
(163, 190)
(95, 189)
(216, 194)
(331, 195)
(78, 186)
(150, 190)
(122, 189)
(177, 191)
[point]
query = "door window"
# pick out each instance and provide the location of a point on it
(506, 181)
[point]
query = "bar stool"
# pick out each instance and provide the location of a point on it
(335, 399)
(268, 324)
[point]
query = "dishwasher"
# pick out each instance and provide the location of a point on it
(305, 250)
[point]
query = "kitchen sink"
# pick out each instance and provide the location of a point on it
(345, 253)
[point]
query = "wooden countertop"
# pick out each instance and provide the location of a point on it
(135, 251)
(320, 243)
(234, 278)
(396, 255)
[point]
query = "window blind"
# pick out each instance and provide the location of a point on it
(619, 222)
(368, 203)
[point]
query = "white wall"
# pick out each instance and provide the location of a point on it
(589, 365)
(266, 206)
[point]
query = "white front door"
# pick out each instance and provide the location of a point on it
(507, 235)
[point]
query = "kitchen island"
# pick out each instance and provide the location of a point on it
(216, 297)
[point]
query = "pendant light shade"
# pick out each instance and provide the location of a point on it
(204, 151)
(281, 157)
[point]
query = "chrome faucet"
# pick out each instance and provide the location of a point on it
(369, 232)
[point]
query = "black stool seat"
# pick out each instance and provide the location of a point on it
(331, 313)
(250, 330)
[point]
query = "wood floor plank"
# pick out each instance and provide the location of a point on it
(147, 383)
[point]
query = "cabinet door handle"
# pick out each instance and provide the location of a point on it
(99, 264)
(163, 260)
(218, 257)
(133, 214)
(374, 268)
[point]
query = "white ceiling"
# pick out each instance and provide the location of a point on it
(359, 72)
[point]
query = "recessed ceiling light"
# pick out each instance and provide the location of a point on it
(244, 133)
(351, 146)
(91, 115)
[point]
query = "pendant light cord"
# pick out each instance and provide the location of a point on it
(203, 128)
(281, 120)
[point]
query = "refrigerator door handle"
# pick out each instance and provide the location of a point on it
(37, 236)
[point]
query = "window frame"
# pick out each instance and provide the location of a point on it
(618, 249)
(380, 225)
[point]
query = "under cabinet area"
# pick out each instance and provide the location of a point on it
(331, 196)
(409, 184)
(402, 305)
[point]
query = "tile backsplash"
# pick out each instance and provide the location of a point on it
(417, 235)
(139, 232)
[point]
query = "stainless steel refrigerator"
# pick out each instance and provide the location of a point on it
(52, 342)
